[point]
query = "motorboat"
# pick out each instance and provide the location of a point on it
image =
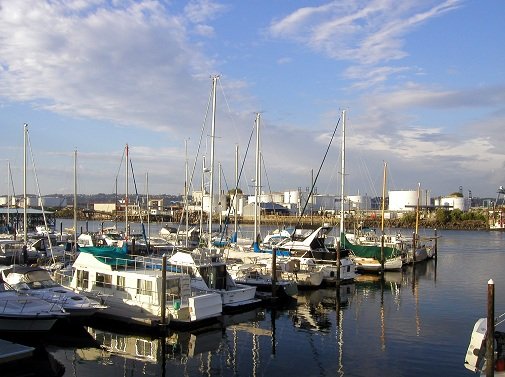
(209, 273)
(20, 312)
(133, 289)
(37, 282)
(475, 358)
(259, 275)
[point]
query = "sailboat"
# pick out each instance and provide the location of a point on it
(370, 256)
(206, 265)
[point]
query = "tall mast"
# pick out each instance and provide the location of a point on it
(186, 209)
(25, 216)
(257, 178)
(212, 136)
(219, 197)
(383, 208)
(75, 199)
(8, 191)
(126, 194)
(148, 209)
(235, 199)
(417, 207)
(342, 184)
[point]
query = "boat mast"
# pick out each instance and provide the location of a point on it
(126, 194)
(212, 140)
(186, 210)
(417, 207)
(75, 200)
(8, 192)
(383, 207)
(25, 216)
(219, 197)
(342, 183)
(235, 199)
(148, 210)
(257, 178)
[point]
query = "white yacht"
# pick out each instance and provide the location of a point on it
(132, 288)
(209, 274)
(37, 282)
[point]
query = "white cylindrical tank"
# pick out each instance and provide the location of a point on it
(359, 202)
(406, 200)
(292, 197)
(453, 202)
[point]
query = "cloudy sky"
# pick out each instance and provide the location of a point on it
(422, 82)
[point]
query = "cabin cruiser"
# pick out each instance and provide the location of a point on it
(20, 312)
(37, 282)
(209, 273)
(133, 289)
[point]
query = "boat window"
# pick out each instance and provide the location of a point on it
(144, 348)
(103, 280)
(214, 276)
(173, 287)
(120, 283)
(121, 344)
(82, 279)
(144, 287)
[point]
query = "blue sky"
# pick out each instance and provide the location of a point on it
(423, 83)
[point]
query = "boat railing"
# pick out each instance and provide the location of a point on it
(24, 302)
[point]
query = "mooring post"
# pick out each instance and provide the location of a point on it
(163, 289)
(274, 272)
(436, 243)
(490, 330)
(337, 249)
(414, 245)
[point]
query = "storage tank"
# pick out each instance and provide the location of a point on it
(359, 202)
(453, 202)
(406, 200)
(292, 197)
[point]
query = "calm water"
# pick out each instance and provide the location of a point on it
(417, 323)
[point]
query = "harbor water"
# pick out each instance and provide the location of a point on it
(411, 323)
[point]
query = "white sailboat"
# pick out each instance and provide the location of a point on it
(205, 264)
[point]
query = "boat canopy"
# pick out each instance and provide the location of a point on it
(368, 251)
(110, 255)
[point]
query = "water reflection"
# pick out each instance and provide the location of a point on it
(324, 328)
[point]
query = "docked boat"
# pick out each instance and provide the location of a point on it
(367, 256)
(309, 248)
(259, 275)
(475, 358)
(12, 251)
(23, 313)
(132, 288)
(209, 274)
(37, 282)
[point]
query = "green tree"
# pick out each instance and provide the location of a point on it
(442, 216)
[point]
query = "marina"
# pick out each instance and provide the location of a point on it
(416, 321)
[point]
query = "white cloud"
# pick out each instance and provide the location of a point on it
(367, 32)
(129, 64)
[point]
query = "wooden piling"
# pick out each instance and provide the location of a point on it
(274, 273)
(164, 289)
(490, 330)
(337, 249)
(414, 247)
(435, 246)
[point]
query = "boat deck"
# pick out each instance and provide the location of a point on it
(10, 351)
